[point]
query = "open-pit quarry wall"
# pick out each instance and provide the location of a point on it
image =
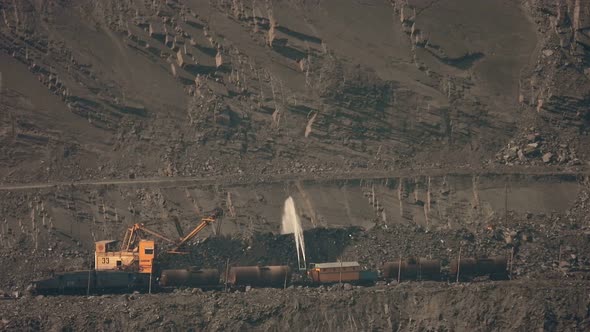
(93, 211)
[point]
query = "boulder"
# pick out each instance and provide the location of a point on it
(156, 31)
(547, 157)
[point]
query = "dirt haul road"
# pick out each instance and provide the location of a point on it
(187, 181)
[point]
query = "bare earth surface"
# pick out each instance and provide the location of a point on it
(399, 128)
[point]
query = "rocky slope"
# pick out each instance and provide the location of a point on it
(172, 88)
(425, 122)
(514, 306)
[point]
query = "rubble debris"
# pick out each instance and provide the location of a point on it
(547, 157)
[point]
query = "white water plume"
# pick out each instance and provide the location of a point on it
(292, 225)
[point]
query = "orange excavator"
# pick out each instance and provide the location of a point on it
(137, 253)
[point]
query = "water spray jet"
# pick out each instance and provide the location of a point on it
(291, 224)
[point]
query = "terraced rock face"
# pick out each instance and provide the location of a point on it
(122, 88)
(134, 89)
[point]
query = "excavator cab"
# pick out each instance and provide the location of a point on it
(147, 253)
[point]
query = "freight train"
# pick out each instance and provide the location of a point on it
(79, 282)
(240, 277)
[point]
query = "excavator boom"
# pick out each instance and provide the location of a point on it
(204, 223)
(156, 234)
(131, 238)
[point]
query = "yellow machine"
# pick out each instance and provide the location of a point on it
(135, 253)
(138, 254)
(106, 257)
